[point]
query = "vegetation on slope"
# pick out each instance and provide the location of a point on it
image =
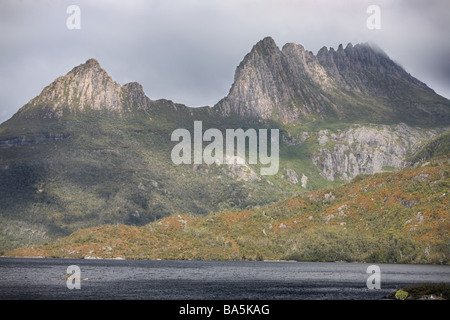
(437, 147)
(400, 217)
(111, 169)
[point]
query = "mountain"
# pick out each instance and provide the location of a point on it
(88, 151)
(358, 83)
(398, 217)
(88, 88)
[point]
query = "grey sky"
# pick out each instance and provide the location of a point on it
(187, 50)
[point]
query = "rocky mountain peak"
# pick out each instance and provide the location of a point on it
(266, 45)
(86, 87)
(136, 95)
(291, 47)
(264, 53)
(92, 63)
(134, 87)
(90, 69)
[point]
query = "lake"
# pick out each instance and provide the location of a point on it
(37, 279)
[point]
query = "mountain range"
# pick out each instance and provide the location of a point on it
(358, 83)
(88, 151)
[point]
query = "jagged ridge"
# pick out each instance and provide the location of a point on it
(358, 83)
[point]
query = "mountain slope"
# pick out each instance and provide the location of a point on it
(392, 217)
(436, 147)
(88, 151)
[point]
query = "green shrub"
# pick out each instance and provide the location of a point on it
(401, 295)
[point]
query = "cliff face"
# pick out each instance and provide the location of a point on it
(367, 149)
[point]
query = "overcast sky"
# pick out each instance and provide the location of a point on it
(187, 50)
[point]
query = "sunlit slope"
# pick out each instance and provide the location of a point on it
(400, 217)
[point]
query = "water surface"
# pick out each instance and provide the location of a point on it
(30, 278)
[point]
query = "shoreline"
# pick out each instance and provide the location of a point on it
(212, 260)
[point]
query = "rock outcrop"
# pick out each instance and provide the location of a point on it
(367, 149)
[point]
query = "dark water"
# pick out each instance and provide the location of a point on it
(22, 278)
